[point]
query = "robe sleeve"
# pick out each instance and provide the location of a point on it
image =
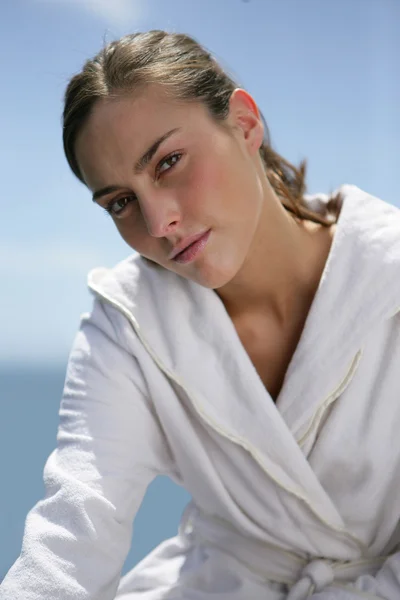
(109, 448)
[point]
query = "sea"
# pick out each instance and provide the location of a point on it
(29, 400)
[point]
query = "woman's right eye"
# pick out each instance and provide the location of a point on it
(117, 207)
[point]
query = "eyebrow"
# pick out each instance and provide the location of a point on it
(140, 165)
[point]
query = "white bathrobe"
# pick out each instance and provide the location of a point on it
(293, 500)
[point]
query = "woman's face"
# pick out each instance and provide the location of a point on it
(199, 176)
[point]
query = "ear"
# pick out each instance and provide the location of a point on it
(245, 117)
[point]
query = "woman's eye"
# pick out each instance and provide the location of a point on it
(170, 161)
(116, 207)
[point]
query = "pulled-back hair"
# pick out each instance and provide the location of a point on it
(188, 72)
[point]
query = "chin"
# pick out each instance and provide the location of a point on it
(210, 277)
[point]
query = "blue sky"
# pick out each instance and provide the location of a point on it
(324, 73)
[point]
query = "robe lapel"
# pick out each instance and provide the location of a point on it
(359, 288)
(214, 369)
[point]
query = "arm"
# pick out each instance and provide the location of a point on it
(109, 448)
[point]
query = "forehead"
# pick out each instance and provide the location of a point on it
(119, 130)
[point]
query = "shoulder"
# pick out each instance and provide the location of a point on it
(139, 293)
(131, 279)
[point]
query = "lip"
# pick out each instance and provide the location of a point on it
(191, 252)
(185, 243)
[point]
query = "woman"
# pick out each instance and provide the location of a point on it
(248, 350)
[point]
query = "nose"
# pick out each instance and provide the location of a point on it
(161, 213)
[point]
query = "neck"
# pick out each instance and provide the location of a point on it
(282, 269)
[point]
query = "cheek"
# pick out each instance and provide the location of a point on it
(133, 231)
(209, 183)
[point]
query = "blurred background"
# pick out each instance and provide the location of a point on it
(325, 74)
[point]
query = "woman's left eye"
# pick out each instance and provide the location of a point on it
(170, 161)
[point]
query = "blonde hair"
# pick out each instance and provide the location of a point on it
(189, 73)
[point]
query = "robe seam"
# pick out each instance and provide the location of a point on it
(320, 410)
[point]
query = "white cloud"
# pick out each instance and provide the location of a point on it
(118, 13)
(43, 293)
(121, 13)
(55, 257)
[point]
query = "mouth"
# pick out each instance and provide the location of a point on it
(192, 250)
